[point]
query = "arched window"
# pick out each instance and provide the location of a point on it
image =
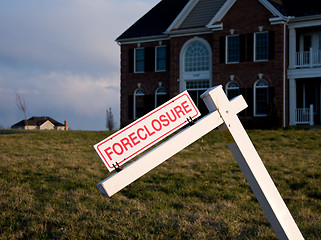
(261, 98)
(139, 96)
(160, 95)
(232, 89)
(196, 58)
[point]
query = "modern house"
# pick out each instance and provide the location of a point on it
(41, 123)
(267, 50)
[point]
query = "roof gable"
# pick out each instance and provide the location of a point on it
(229, 3)
(202, 13)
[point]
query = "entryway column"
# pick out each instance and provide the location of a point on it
(292, 47)
(292, 101)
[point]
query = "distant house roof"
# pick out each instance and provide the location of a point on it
(156, 21)
(159, 18)
(37, 121)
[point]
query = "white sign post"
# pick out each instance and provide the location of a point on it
(223, 114)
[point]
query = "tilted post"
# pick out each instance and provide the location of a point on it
(252, 166)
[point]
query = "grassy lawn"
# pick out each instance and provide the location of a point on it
(48, 189)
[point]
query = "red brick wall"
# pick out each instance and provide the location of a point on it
(129, 80)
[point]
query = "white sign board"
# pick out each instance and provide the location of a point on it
(147, 131)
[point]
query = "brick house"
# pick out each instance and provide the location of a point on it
(267, 50)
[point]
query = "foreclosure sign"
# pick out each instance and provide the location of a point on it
(147, 131)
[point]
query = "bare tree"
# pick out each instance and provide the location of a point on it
(110, 124)
(22, 105)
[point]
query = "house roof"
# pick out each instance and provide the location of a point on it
(156, 21)
(37, 121)
(297, 8)
(167, 13)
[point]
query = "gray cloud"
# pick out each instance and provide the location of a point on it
(60, 55)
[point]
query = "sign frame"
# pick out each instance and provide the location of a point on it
(122, 144)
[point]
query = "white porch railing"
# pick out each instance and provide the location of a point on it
(304, 115)
(308, 58)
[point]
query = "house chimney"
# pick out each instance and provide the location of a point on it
(66, 127)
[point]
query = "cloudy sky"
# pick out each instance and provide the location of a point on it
(62, 58)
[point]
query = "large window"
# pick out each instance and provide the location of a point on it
(261, 98)
(233, 49)
(261, 46)
(196, 58)
(139, 96)
(232, 89)
(160, 58)
(139, 60)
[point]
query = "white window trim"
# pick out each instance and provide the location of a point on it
(254, 96)
(135, 61)
(226, 49)
(156, 70)
(254, 50)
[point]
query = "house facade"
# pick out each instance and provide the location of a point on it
(266, 50)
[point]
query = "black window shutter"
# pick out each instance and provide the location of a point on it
(131, 60)
(222, 49)
(168, 58)
(250, 101)
(149, 59)
(243, 93)
(271, 45)
(250, 46)
(130, 107)
(242, 47)
(271, 95)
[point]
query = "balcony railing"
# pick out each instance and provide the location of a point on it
(308, 58)
(304, 115)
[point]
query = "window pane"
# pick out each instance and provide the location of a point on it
(197, 84)
(233, 49)
(140, 60)
(139, 96)
(196, 58)
(261, 97)
(160, 58)
(139, 106)
(261, 46)
(261, 101)
(232, 89)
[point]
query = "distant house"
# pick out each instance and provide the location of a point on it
(267, 50)
(41, 123)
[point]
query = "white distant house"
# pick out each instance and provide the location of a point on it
(41, 123)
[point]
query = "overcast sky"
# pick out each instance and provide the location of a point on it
(62, 58)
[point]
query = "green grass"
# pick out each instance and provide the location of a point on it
(48, 189)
